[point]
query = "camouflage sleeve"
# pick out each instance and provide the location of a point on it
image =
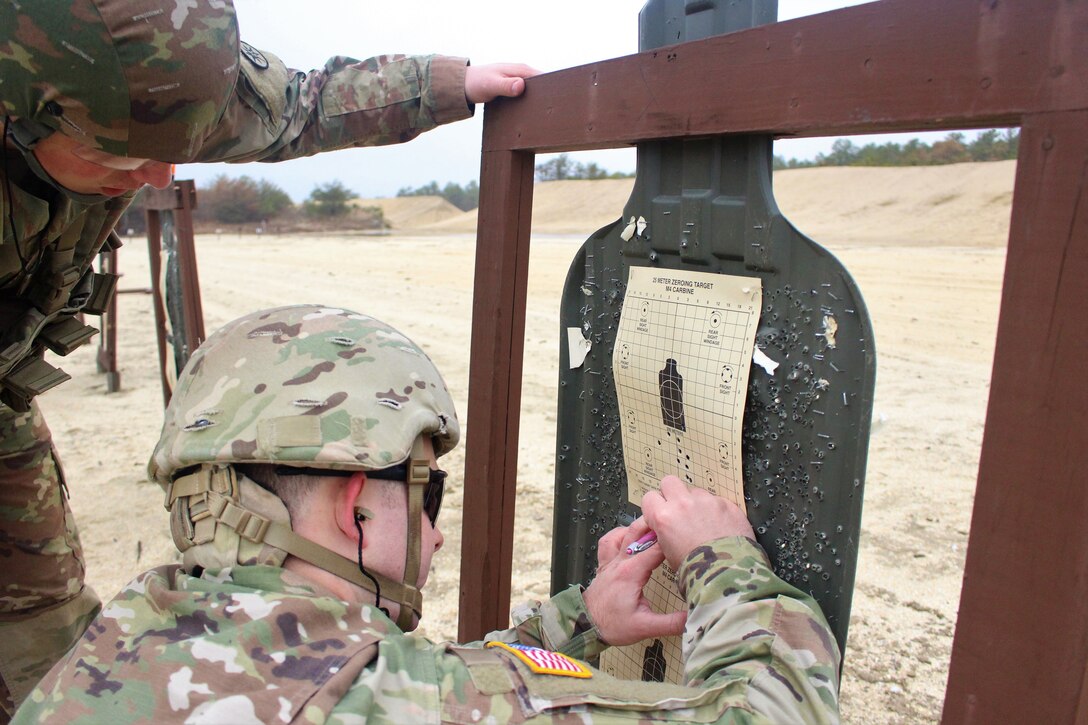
(278, 113)
(756, 651)
(746, 623)
(561, 624)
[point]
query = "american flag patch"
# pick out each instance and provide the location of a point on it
(544, 662)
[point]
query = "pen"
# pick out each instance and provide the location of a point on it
(645, 542)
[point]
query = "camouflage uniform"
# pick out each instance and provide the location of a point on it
(185, 103)
(254, 644)
(232, 636)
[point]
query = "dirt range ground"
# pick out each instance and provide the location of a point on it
(928, 259)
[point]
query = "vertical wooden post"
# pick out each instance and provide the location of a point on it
(494, 393)
(179, 323)
(106, 358)
(1020, 652)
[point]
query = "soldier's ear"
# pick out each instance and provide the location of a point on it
(347, 503)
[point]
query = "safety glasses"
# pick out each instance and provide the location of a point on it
(432, 495)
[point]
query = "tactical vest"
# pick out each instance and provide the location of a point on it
(49, 244)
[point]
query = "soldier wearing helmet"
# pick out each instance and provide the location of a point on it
(98, 98)
(299, 459)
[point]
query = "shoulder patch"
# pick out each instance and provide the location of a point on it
(253, 55)
(545, 662)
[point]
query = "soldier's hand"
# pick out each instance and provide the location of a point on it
(685, 517)
(485, 83)
(615, 600)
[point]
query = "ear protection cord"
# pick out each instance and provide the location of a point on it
(359, 518)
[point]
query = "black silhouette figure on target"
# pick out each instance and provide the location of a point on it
(653, 662)
(671, 385)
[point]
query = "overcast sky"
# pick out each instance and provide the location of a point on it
(549, 35)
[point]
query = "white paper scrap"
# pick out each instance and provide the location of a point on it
(761, 359)
(578, 347)
(628, 231)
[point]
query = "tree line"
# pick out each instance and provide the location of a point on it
(990, 145)
(244, 200)
(468, 196)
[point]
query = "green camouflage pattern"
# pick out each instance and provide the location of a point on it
(271, 115)
(348, 103)
(305, 385)
(274, 114)
(172, 82)
(139, 78)
(210, 544)
(37, 537)
(41, 558)
(259, 644)
(46, 259)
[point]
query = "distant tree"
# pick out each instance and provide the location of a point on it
(559, 168)
(378, 215)
(463, 197)
(951, 150)
(273, 199)
(564, 167)
(430, 189)
(329, 200)
(878, 155)
(241, 200)
(843, 153)
(995, 145)
(593, 171)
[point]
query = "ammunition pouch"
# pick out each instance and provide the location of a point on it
(23, 372)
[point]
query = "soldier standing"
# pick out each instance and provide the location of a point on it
(299, 457)
(98, 98)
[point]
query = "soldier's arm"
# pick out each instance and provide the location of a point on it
(747, 628)
(756, 651)
(612, 610)
(560, 624)
(278, 113)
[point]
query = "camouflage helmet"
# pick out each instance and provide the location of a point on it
(305, 387)
(139, 78)
(308, 386)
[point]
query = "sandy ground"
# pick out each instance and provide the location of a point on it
(933, 299)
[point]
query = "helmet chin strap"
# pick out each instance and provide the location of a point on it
(419, 473)
(211, 493)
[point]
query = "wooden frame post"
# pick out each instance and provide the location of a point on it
(498, 344)
(1021, 647)
(170, 219)
(1021, 651)
(106, 357)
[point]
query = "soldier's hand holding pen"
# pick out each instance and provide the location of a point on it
(684, 517)
(679, 518)
(614, 598)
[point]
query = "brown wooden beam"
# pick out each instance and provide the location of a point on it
(897, 65)
(174, 203)
(498, 342)
(1021, 648)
